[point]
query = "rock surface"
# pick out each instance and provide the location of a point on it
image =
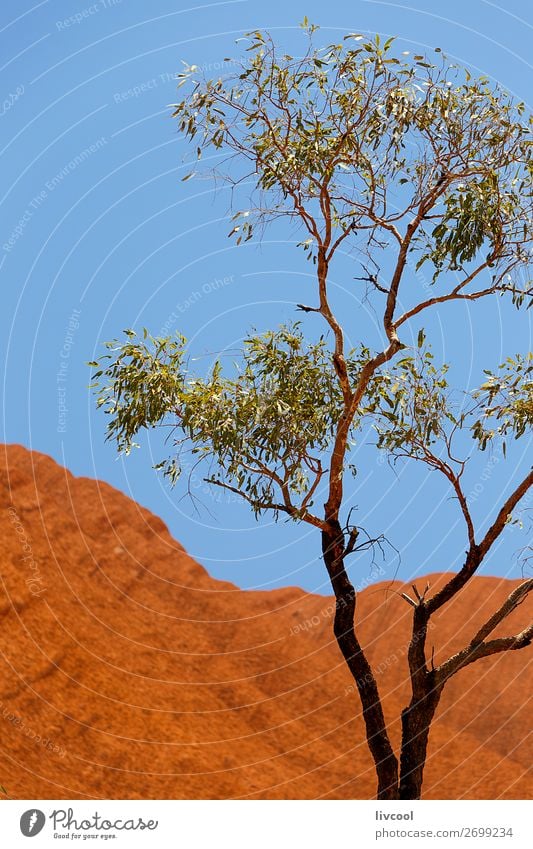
(126, 671)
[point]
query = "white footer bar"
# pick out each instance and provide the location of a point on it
(267, 824)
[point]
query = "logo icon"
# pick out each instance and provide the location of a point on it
(32, 822)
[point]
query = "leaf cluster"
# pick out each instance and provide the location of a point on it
(262, 430)
(506, 400)
(137, 383)
(265, 430)
(351, 139)
(410, 405)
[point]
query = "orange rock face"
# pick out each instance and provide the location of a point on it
(126, 671)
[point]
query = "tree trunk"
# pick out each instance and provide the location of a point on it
(416, 723)
(376, 734)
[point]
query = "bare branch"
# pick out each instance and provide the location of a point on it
(476, 553)
(304, 308)
(257, 504)
(515, 598)
(503, 516)
(458, 295)
(312, 489)
(455, 480)
(455, 295)
(478, 648)
(409, 600)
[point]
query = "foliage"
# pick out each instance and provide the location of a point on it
(506, 400)
(408, 158)
(375, 152)
(265, 426)
(360, 137)
(269, 427)
(414, 409)
(411, 407)
(143, 382)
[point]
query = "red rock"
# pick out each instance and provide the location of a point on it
(126, 671)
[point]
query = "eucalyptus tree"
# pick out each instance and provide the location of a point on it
(404, 162)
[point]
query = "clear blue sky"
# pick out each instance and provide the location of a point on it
(98, 233)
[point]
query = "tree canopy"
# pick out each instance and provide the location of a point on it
(401, 162)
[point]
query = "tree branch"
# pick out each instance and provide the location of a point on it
(270, 505)
(458, 295)
(478, 648)
(501, 520)
(455, 481)
(476, 553)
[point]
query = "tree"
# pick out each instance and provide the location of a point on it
(411, 163)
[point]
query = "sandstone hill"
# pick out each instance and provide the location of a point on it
(126, 671)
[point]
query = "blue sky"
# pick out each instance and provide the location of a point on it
(98, 233)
